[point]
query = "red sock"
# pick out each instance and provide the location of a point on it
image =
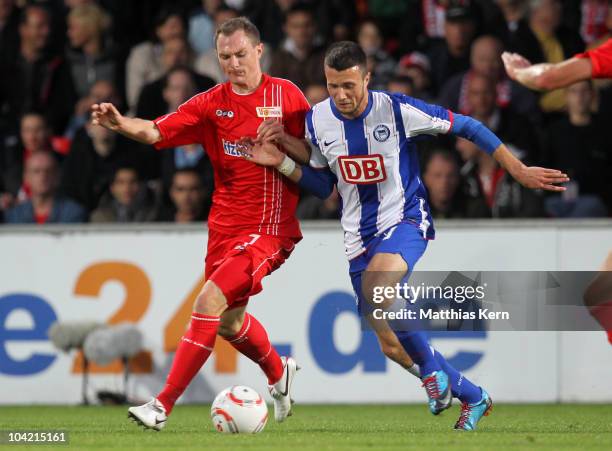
(193, 350)
(253, 342)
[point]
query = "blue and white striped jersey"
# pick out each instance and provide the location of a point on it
(374, 158)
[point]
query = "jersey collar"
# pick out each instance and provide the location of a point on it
(339, 115)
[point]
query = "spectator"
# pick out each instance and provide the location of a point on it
(486, 181)
(403, 85)
(416, 66)
(154, 99)
(316, 93)
(9, 30)
(542, 39)
(175, 52)
(35, 136)
(335, 19)
(451, 55)
(207, 63)
(36, 80)
(190, 201)
(514, 12)
(41, 174)
(144, 64)
(202, 26)
(579, 144)
(128, 200)
(426, 20)
(380, 64)
(485, 57)
(605, 34)
(90, 55)
(89, 167)
(179, 87)
(513, 129)
(434, 12)
(446, 198)
(267, 15)
(165, 95)
(101, 91)
(162, 97)
(299, 58)
(593, 20)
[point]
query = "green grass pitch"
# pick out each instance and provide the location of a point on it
(329, 427)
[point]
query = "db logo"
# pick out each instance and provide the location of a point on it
(362, 169)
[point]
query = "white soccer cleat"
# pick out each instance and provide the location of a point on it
(151, 415)
(281, 391)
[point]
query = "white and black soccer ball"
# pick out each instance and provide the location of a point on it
(239, 410)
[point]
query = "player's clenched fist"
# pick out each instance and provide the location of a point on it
(106, 115)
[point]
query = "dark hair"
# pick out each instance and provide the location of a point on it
(163, 15)
(25, 12)
(231, 26)
(299, 7)
(125, 166)
(402, 79)
(444, 153)
(180, 68)
(225, 9)
(344, 55)
(190, 171)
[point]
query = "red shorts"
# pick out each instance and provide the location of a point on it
(238, 263)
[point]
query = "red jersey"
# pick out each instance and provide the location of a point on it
(601, 60)
(247, 197)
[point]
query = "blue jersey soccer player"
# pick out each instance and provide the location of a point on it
(364, 142)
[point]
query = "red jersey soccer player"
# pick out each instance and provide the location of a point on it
(252, 224)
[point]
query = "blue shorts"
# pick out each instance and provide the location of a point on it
(404, 238)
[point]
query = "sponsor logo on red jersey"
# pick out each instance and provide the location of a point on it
(362, 169)
(269, 111)
(231, 148)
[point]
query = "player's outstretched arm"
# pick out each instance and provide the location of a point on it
(143, 131)
(546, 76)
(273, 131)
(530, 177)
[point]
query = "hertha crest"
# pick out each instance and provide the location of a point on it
(381, 133)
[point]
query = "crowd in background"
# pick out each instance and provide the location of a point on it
(58, 57)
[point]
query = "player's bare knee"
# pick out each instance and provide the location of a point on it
(385, 262)
(228, 330)
(210, 301)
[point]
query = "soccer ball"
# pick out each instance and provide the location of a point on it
(239, 410)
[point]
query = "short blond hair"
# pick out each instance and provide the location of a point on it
(229, 27)
(93, 15)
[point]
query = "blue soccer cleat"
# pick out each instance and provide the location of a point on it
(438, 391)
(471, 414)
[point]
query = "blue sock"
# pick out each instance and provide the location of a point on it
(417, 347)
(461, 386)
